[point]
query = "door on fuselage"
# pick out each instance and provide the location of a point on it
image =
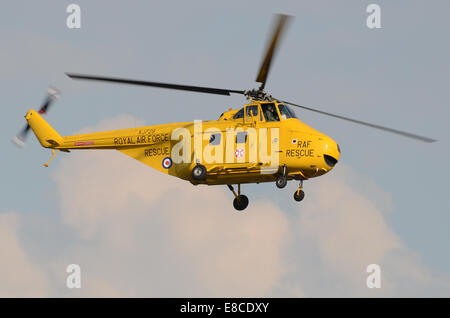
(256, 137)
(269, 147)
(241, 141)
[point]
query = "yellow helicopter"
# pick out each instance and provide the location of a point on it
(263, 141)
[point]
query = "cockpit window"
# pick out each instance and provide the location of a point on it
(286, 112)
(292, 112)
(270, 112)
(239, 114)
(252, 111)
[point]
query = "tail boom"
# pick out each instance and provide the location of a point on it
(47, 136)
(115, 139)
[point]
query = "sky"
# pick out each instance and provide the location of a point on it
(138, 233)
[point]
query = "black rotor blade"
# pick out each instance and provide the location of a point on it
(271, 49)
(391, 130)
(19, 139)
(25, 130)
(52, 95)
(198, 89)
(44, 107)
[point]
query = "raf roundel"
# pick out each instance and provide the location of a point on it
(167, 163)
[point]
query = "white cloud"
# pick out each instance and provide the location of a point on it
(348, 230)
(19, 277)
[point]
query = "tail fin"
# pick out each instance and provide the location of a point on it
(47, 136)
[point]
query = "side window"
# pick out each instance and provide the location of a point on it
(239, 114)
(214, 140)
(241, 137)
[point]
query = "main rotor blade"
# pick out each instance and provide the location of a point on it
(271, 49)
(197, 89)
(391, 130)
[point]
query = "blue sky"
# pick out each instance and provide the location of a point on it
(395, 76)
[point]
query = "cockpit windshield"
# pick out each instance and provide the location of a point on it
(239, 114)
(270, 112)
(286, 112)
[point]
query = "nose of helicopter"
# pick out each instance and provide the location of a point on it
(331, 153)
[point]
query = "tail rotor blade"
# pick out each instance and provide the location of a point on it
(52, 95)
(19, 139)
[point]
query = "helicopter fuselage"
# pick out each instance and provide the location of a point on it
(251, 145)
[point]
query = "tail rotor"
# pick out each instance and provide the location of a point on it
(53, 94)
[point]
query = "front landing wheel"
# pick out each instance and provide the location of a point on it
(299, 195)
(240, 202)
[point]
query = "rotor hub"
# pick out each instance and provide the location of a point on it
(258, 95)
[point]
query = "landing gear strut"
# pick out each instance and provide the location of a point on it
(240, 201)
(281, 181)
(299, 194)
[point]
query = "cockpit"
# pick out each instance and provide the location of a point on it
(268, 111)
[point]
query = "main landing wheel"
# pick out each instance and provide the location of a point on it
(281, 182)
(299, 195)
(199, 172)
(240, 202)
